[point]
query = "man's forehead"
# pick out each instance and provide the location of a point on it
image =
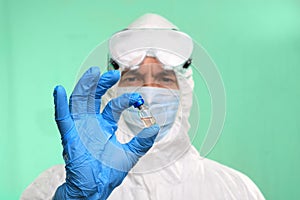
(149, 60)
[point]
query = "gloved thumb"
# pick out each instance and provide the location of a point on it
(143, 141)
(62, 112)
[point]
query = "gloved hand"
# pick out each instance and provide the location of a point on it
(96, 162)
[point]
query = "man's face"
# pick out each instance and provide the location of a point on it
(149, 74)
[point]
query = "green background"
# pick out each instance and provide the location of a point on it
(255, 43)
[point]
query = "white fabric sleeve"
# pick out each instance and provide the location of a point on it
(256, 193)
(45, 185)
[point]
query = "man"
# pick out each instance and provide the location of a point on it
(104, 155)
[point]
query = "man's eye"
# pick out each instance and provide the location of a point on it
(167, 80)
(130, 79)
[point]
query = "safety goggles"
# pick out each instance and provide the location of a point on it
(129, 48)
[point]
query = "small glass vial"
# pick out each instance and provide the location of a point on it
(144, 113)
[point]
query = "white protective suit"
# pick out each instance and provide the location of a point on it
(173, 168)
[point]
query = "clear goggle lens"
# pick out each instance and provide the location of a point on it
(132, 60)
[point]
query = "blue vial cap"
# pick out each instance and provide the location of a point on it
(138, 103)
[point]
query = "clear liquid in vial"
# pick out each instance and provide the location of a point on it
(148, 121)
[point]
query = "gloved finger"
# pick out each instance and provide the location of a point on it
(72, 145)
(115, 107)
(82, 99)
(143, 141)
(62, 113)
(106, 81)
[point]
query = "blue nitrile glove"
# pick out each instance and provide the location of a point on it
(96, 162)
